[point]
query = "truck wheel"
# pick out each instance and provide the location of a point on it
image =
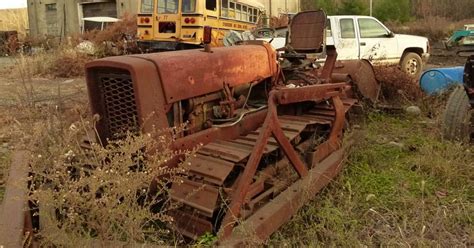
(457, 116)
(412, 64)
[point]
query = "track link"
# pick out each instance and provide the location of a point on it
(214, 172)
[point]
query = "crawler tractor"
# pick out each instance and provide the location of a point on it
(270, 125)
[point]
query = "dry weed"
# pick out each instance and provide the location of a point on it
(68, 63)
(104, 194)
(116, 39)
(397, 86)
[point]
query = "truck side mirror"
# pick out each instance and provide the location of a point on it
(390, 34)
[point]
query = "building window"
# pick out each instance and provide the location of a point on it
(51, 7)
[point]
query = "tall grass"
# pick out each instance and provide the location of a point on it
(418, 194)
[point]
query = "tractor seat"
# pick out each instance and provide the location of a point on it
(306, 35)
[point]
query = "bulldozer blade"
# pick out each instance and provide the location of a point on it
(362, 75)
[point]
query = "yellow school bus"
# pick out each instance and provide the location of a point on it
(166, 25)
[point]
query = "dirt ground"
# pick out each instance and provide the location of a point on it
(440, 57)
(40, 90)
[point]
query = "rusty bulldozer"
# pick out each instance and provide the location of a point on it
(270, 124)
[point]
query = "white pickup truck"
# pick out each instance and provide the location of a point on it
(365, 37)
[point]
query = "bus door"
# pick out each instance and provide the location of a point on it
(167, 22)
(145, 20)
(211, 18)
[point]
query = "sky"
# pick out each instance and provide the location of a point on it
(12, 4)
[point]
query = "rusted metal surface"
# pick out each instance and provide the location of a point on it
(211, 169)
(328, 67)
(190, 225)
(197, 195)
(306, 31)
(15, 225)
(272, 216)
(229, 65)
(362, 75)
(150, 101)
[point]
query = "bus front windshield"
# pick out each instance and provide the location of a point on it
(167, 6)
(189, 6)
(147, 6)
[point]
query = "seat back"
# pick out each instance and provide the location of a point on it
(307, 32)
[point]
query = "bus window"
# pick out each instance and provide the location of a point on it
(225, 8)
(255, 15)
(238, 11)
(167, 6)
(232, 10)
(147, 6)
(211, 5)
(250, 13)
(189, 6)
(245, 16)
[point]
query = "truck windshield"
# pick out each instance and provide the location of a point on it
(189, 6)
(167, 6)
(147, 6)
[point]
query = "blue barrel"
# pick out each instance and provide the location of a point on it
(438, 79)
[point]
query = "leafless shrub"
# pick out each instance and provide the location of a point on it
(116, 39)
(104, 195)
(278, 22)
(68, 63)
(397, 86)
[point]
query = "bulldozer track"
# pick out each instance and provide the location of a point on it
(203, 197)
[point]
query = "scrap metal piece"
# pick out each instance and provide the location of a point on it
(15, 218)
(361, 74)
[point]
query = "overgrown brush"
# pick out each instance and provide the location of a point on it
(116, 39)
(397, 86)
(104, 195)
(68, 63)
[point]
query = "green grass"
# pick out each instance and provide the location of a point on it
(421, 194)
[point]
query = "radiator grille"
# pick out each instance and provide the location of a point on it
(119, 103)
